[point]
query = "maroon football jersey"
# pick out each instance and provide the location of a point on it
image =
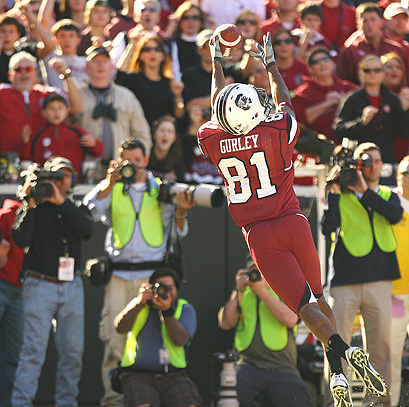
(257, 168)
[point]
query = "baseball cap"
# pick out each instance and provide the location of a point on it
(393, 10)
(57, 162)
(52, 97)
(203, 37)
(92, 52)
(93, 3)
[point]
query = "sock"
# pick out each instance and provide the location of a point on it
(338, 345)
(334, 361)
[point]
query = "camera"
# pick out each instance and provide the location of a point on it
(207, 195)
(253, 274)
(40, 181)
(344, 165)
(128, 172)
(161, 290)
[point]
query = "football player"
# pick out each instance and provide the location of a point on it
(252, 149)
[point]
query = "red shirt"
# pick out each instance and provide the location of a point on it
(348, 60)
(312, 93)
(335, 28)
(274, 23)
(63, 140)
(257, 168)
(15, 113)
(293, 76)
(11, 271)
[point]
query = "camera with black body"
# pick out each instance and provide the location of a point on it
(343, 165)
(40, 181)
(128, 171)
(161, 290)
(207, 195)
(253, 274)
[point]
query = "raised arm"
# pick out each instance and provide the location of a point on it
(218, 79)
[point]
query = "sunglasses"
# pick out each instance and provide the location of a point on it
(286, 41)
(195, 18)
(317, 61)
(373, 70)
(405, 174)
(150, 49)
(243, 22)
(152, 9)
(20, 69)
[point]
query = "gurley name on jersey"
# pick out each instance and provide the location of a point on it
(232, 145)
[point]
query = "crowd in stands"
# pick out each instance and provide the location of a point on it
(87, 52)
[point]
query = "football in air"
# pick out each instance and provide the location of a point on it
(230, 39)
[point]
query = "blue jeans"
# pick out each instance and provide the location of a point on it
(11, 337)
(281, 389)
(43, 301)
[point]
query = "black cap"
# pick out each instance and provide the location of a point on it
(92, 52)
(57, 163)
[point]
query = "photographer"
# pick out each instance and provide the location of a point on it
(51, 231)
(136, 241)
(363, 261)
(265, 341)
(155, 358)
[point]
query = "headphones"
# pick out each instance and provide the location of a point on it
(56, 163)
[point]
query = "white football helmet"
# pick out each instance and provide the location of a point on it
(239, 108)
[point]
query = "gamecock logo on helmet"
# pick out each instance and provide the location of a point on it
(243, 102)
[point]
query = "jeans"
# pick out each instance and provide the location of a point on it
(43, 301)
(11, 337)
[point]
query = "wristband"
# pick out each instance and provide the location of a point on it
(169, 313)
(66, 74)
(184, 216)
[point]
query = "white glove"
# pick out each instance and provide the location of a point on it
(215, 49)
(266, 55)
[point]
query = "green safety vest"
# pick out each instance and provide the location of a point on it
(124, 215)
(356, 229)
(176, 353)
(274, 333)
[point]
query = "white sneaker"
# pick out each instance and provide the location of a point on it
(358, 360)
(340, 390)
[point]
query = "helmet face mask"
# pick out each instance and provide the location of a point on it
(239, 108)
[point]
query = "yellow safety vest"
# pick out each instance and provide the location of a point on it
(356, 228)
(124, 215)
(176, 353)
(401, 231)
(274, 333)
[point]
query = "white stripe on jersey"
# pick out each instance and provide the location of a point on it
(293, 130)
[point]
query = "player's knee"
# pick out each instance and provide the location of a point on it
(307, 298)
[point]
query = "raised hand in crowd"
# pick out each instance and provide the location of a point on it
(368, 113)
(26, 133)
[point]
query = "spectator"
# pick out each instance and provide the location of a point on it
(285, 16)
(147, 17)
(146, 69)
(122, 21)
(158, 323)
(165, 160)
(67, 36)
(292, 70)
(364, 260)
(400, 291)
(395, 81)
(308, 36)
(21, 102)
(135, 246)
(264, 338)
(372, 113)
(72, 9)
(51, 232)
(396, 19)
(230, 10)
(11, 31)
(111, 112)
(372, 41)
(11, 302)
(338, 23)
(317, 99)
(61, 139)
(184, 25)
(96, 17)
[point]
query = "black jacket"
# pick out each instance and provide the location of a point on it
(390, 121)
(50, 231)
